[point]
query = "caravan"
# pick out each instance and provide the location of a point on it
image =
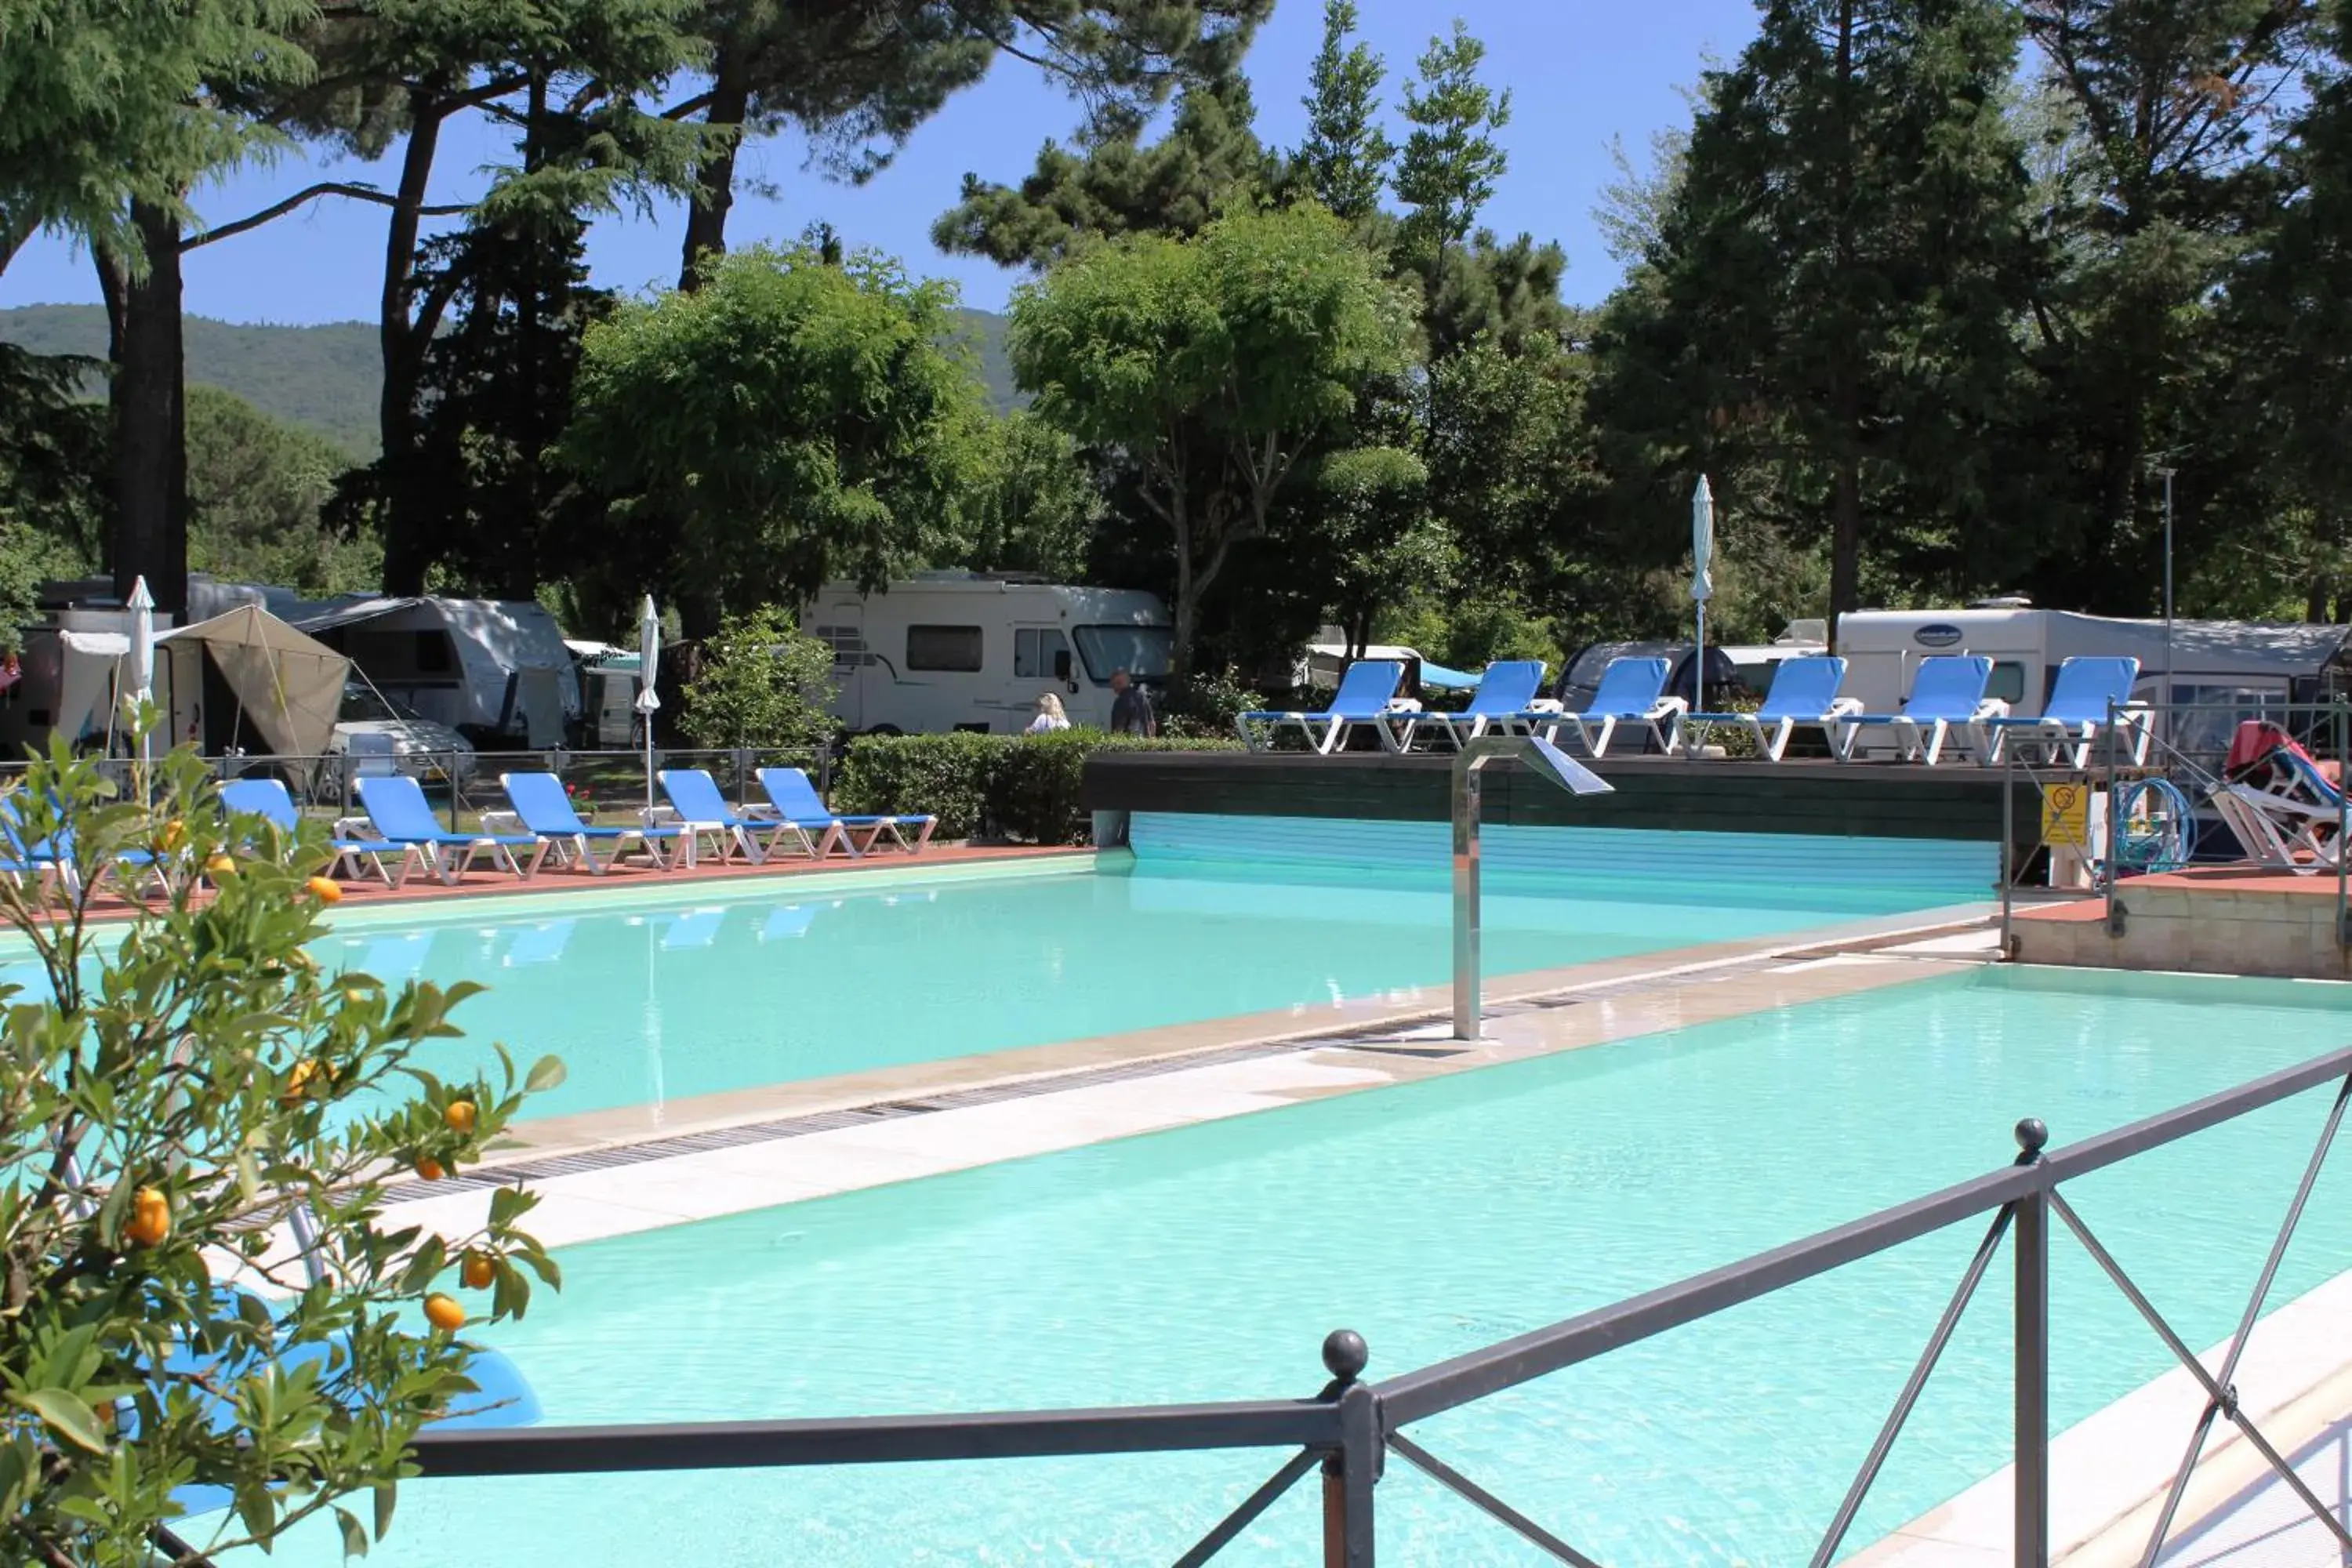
(2228, 668)
(493, 670)
(964, 650)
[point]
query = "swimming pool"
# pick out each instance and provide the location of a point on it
(748, 985)
(1437, 1217)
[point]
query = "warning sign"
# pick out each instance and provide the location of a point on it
(2066, 815)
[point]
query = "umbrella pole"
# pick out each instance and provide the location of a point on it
(1698, 674)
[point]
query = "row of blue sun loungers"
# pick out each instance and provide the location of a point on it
(1948, 711)
(400, 833)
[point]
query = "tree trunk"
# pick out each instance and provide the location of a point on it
(150, 457)
(714, 180)
(401, 340)
(1845, 540)
(1187, 605)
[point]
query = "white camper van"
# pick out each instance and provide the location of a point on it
(2244, 667)
(964, 650)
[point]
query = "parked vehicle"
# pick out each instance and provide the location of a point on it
(370, 724)
(961, 650)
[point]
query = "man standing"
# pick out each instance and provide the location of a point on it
(1130, 708)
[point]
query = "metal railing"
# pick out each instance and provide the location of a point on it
(1349, 1428)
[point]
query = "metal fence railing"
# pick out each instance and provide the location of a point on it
(1350, 1426)
(2186, 746)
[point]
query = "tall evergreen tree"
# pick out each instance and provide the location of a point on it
(1837, 275)
(1344, 162)
(1450, 160)
(2167, 129)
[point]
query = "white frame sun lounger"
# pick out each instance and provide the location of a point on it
(1367, 695)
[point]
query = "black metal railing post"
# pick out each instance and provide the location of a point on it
(1348, 1472)
(2029, 1235)
(2008, 851)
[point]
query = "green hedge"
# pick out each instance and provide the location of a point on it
(1020, 786)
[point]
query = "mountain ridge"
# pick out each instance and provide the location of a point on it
(325, 376)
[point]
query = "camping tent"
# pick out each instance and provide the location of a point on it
(289, 684)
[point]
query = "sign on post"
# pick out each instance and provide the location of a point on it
(2066, 815)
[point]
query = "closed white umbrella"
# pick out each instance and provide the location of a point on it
(648, 701)
(141, 605)
(1702, 580)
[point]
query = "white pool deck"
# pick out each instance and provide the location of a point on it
(2109, 1472)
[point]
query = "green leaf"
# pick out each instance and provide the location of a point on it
(386, 1496)
(67, 1416)
(355, 1539)
(545, 1074)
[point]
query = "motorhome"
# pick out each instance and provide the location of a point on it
(2227, 669)
(497, 672)
(967, 650)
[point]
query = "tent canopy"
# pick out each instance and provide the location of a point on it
(289, 685)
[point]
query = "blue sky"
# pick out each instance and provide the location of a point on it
(1581, 72)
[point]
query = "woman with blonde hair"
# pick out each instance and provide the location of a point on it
(1050, 716)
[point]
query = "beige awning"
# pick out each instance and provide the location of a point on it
(289, 685)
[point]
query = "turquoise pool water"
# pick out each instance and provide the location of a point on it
(764, 985)
(1208, 1263)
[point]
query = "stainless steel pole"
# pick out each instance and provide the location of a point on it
(2167, 595)
(1466, 800)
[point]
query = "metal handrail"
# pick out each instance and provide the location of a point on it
(1351, 1424)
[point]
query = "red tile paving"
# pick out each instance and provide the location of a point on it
(422, 887)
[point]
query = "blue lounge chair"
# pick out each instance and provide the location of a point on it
(2286, 813)
(55, 857)
(397, 809)
(547, 814)
(268, 800)
(1947, 698)
(1632, 691)
(703, 812)
(2074, 717)
(1507, 701)
(795, 800)
(1804, 696)
(1367, 695)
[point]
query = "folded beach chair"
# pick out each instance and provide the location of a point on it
(1947, 699)
(1632, 692)
(1508, 699)
(795, 799)
(396, 808)
(1804, 696)
(703, 812)
(2075, 717)
(547, 814)
(1367, 694)
(268, 800)
(2283, 810)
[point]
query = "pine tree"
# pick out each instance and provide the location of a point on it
(1451, 160)
(1839, 272)
(1344, 162)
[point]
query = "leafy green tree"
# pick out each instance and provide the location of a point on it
(1450, 160)
(1838, 278)
(1344, 162)
(175, 1090)
(764, 682)
(789, 423)
(1216, 365)
(1036, 507)
(256, 490)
